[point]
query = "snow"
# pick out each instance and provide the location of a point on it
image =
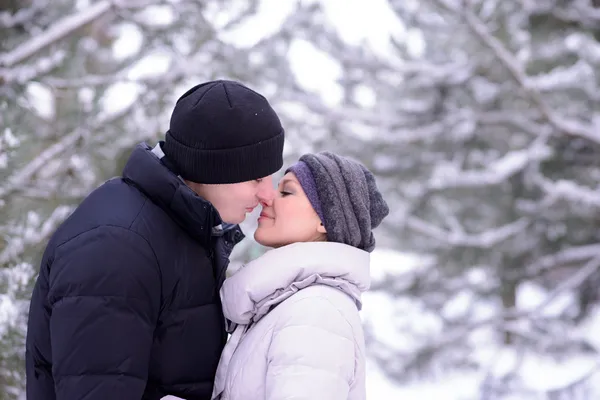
(539, 373)
(385, 262)
(12, 280)
(41, 99)
(119, 96)
(572, 191)
(456, 387)
(9, 138)
(448, 174)
(385, 162)
(151, 65)
(85, 96)
(401, 324)
(377, 21)
(8, 312)
(308, 63)
(365, 96)
(562, 78)
(129, 41)
(415, 42)
(55, 32)
(531, 296)
(379, 386)
(157, 15)
(269, 17)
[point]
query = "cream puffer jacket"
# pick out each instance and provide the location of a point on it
(297, 333)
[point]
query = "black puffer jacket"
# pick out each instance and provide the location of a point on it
(126, 305)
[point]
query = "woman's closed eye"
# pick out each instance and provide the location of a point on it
(284, 193)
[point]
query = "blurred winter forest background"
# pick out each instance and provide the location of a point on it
(481, 119)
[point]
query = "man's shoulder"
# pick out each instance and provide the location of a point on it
(115, 203)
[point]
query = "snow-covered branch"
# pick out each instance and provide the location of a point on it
(172, 75)
(497, 172)
(513, 66)
(30, 71)
(579, 11)
(521, 121)
(19, 178)
(563, 258)
(44, 194)
(559, 78)
(484, 240)
(10, 20)
(18, 246)
(569, 190)
(571, 283)
(63, 28)
(356, 114)
(59, 30)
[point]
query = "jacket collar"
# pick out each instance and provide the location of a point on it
(195, 215)
(263, 283)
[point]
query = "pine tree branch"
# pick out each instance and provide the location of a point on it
(511, 315)
(495, 173)
(23, 15)
(24, 175)
(484, 240)
(18, 180)
(512, 65)
(573, 282)
(16, 248)
(29, 72)
(63, 28)
(563, 258)
(568, 190)
(59, 30)
(174, 74)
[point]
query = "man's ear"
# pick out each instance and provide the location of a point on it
(321, 228)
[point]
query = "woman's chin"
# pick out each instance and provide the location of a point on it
(261, 237)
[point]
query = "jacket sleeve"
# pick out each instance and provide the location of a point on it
(312, 353)
(104, 294)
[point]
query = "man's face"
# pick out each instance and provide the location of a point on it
(234, 200)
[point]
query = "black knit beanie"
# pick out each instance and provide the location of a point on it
(223, 132)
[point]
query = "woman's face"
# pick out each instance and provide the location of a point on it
(289, 218)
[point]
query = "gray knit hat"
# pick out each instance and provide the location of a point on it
(346, 199)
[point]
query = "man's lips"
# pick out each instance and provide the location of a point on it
(264, 215)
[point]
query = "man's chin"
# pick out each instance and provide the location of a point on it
(234, 220)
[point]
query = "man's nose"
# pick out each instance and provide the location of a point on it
(266, 192)
(266, 204)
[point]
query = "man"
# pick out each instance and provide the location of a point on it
(126, 305)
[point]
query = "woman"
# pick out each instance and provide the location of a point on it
(294, 311)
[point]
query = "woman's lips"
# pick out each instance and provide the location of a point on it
(264, 216)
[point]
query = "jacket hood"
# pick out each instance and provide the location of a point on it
(263, 283)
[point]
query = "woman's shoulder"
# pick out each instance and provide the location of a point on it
(320, 306)
(325, 295)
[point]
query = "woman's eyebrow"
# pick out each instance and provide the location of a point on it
(284, 181)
